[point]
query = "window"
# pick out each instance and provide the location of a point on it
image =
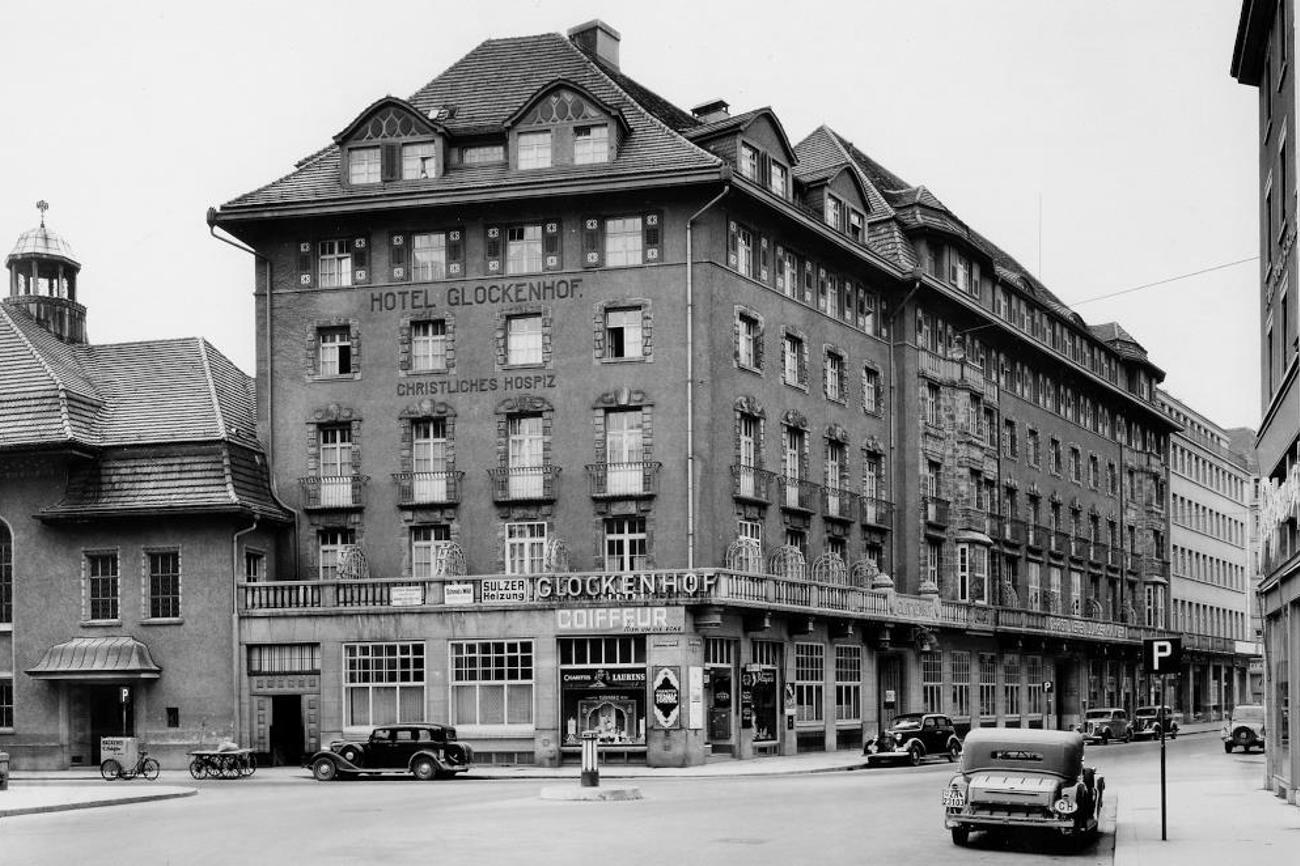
(834, 377)
(1034, 673)
(534, 149)
(524, 340)
(335, 264)
(102, 586)
(809, 676)
(428, 256)
(972, 573)
(794, 361)
(425, 541)
(6, 703)
(623, 241)
(1034, 586)
(960, 683)
(933, 561)
(429, 345)
(623, 333)
(931, 682)
(492, 682)
(1010, 446)
(625, 544)
(870, 390)
(931, 403)
(792, 452)
(383, 684)
(335, 465)
(1011, 684)
(419, 161)
(334, 356)
(848, 682)
(624, 451)
(749, 162)
(590, 144)
(1054, 456)
(1094, 471)
(959, 272)
(254, 566)
(284, 658)
(834, 212)
(6, 575)
(165, 585)
(525, 456)
(988, 672)
(524, 249)
(1112, 479)
(333, 545)
(747, 345)
(747, 429)
(1075, 466)
(363, 165)
(525, 548)
(480, 154)
(836, 471)
(856, 225)
(744, 251)
(779, 182)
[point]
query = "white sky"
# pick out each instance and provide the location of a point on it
(133, 118)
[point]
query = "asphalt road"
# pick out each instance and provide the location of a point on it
(881, 815)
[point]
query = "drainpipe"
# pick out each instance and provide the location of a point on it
(917, 274)
(234, 629)
(690, 380)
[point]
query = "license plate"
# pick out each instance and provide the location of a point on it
(954, 799)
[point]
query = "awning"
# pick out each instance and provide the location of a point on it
(97, 658)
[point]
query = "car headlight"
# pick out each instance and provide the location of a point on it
(898, 738)
(1065, 806)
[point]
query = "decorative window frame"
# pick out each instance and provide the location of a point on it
(748, 407)
(878, 392)
(405, 356)
(502, 336)
(146, 586)
(425, 410)
(759, 332)
(830, 350)
(801, 363)
(390, 124)
(86, 554)
(599, 311)
(312, 365)
(532, 116)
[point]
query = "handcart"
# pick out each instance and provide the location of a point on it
(219, 764)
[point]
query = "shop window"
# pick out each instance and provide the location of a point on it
(988, 674)
(960, 703)
(848, 682)
(383, 684)
(101, 587)
(1034, 678)
(932, 682)
(809, 679)
(603, 689)
(164, 584)
(492, 683)
(1011, 684)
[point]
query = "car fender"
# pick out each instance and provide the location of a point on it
(954, 739)
(914, 743)
(438, 762)
(341, 763)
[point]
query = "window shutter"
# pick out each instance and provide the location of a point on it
(764, 257)
(592, 243)
(391, 162)
(807, 282)
(552, 256)
(306, 264)
(733, 244)
(456, 252)
(765, 171)
(397, 244)
(492, 249)
(360, 261)
(780, 269)
(652, 237)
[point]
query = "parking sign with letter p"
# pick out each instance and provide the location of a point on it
(1162, 655)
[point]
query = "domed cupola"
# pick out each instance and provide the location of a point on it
(43, 281)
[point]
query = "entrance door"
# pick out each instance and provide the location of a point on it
(719, 699)
(286, 735)
(889, 682)
(109, 717)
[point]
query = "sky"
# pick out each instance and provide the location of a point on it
(1102, 143)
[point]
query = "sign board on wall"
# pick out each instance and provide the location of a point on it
(667, 697)
(458, 593)
(620, 620)
(504, 589)
(406, 596)
(695, 697)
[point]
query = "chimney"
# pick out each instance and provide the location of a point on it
(597, 39)
(714, 109)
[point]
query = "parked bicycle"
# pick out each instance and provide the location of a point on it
(144, 766)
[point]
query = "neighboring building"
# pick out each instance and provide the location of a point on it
(1212, 588)
(598, 413)
(128, 475)
(1262, 57)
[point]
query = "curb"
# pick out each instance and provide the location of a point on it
(96, 804)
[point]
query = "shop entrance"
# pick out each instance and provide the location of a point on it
(719, 697)
(286, 733)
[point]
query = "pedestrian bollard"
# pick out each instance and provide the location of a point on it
(590, 760)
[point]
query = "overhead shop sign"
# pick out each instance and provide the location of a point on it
(646, 585)
(620, 620)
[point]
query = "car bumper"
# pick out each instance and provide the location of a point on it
(980, 821)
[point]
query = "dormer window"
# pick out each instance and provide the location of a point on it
(749, 162)
(534, 150)
(780, 180)
(590, 144)
(834, 211)
(363, 165)
(391, 140)
(857, 225)
(419, 161)
(482, 154)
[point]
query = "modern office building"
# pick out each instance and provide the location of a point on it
(1262, 56)
(1212, 584)
(597, 413)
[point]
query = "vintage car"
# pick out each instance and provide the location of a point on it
(1146, 723)
(1017, 778)
(913, 736)
(1245, 728)
(1105, 724)
(425, 750)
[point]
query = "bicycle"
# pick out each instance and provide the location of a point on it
(144, 766)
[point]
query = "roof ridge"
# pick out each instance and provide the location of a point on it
(212, 385)
(64, 418)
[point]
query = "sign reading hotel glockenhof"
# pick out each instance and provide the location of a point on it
(645, 585)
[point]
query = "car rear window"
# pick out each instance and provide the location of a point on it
(1015, 755)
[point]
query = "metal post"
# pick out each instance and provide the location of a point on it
(590, 759)
(1164, 835)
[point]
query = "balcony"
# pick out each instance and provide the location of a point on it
(524, 483)
(428, 488)
(327, 492)
(1078, 547)
(797, 495)
(751, 484)
(838, 504)
(1114, 558)
(953, 371)
(876, 512)
(624, 480)
(936, 511)
(1059, 542)
(1155, 568)
(1098, 552)
(1036, 535)
(1013, 532)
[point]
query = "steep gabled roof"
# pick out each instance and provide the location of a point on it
(739, 123)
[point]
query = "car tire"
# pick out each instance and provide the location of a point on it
(1105, 738)
(324, 769)
(424, 769)
(960, 836)
(1227, 746)
(954, 752)
(351, 754)
(914, 755)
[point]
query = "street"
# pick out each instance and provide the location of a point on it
(891, 815)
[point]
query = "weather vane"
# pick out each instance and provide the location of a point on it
(42, 206)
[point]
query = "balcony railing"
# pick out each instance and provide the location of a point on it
(1098, 551)
(954, 371)
(1036, 535)
(936, 511)
(751, 483)
(428, 488)
(1060, 542)
(624, 480)
(332, 491)
(1078, 547)
(1013, 531)
(797, 494)
(1115, 557)
(876, 512)
(523, 483)
(839, 504)
(1153, 566)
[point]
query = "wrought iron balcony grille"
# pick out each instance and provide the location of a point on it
(751, 483)
(623, 480)
(428, 488)
(332, 491)
(524, 483)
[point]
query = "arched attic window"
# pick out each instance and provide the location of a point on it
(391, 141)
(564, 124)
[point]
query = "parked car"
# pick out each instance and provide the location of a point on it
(1146, 723)
(1105, 724)
(1245, 728)
(1015, 778)
(425, 750)
(913, 736)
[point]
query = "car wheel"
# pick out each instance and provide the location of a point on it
(352, 755)
(1173, 735)
(954, 752)
(914, 755)
(1128, 735)
(1227, 746)
(960, 835)
(1105, 738)
(324, 770)
(424, 769)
